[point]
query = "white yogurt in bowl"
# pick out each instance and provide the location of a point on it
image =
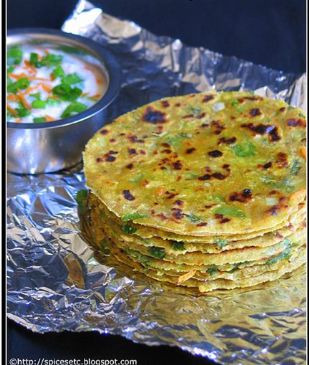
(46, 84)
(60, 90)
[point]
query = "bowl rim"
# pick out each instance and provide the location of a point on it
(103, 55)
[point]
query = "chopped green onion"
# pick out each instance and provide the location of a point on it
(81, 198)
(131, 216)
(193, 218)
(52, 102)
(39, 120)
(127, 228)
(48, 60)
(295, 167)
(157, 252)
(221, 242)
(143, 260)
(137, 178)
(58, 72)
(71, 79)
(34, 59)
(215, 198)
(10, 69)
(38, 104)
(284, 184)
(22, 112)
(230, 211)
(212, 270)
(66, 92)
(178, 246)
(176, 140)
(51, 60)
(285, 254)
(14, 55)
(75, 107)
(12, 87)
(245, 149)
(235, 104)
(191, 175)
(20, 84)
(194, 110)
(235, 267)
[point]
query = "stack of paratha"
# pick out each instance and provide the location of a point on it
(204, 190)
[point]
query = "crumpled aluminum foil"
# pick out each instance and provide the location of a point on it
(56, 283)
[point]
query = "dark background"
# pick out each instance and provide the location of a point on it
(268, 32)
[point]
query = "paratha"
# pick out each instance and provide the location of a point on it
(203, 191)
(202, 164)
(210, 284)
(102, 217)
(198, 258)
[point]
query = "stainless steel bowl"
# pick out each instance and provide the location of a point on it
(53, 146)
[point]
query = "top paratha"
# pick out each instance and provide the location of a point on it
(202, 164)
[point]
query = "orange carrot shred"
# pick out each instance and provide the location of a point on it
(18, 76)
(49, 118)
(11, 110)
(96, 96)
(23, 100)
(11, 97)
(303, 152)
(160, 190)
(41, 79)
(30, 67)
(47, 88)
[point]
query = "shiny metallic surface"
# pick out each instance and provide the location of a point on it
(40, 148)
(57, 282)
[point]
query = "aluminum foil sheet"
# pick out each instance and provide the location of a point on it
(55, 282)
